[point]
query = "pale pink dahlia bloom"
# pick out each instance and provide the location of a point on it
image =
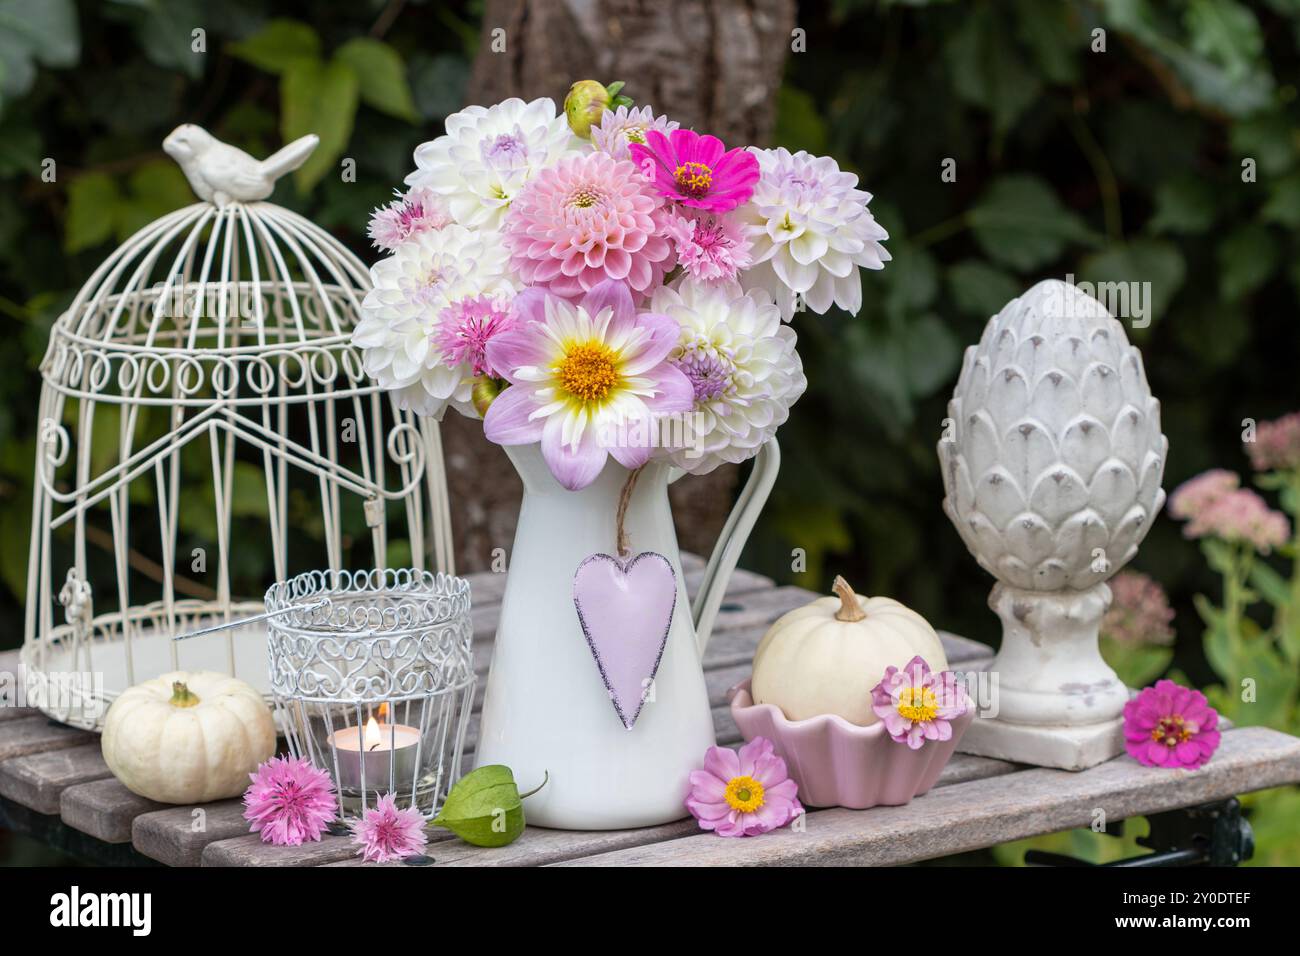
(618, 128)
(711, 247)
(587, 381)
(418, 210)
(466, 326)
(289, 801)
(745, 793)
(1276, 445)
(584, 220)
(1139, 611)
(1170, 726)
(916, 705)
(385, 833)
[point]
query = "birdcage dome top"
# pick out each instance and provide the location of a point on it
(231, 294)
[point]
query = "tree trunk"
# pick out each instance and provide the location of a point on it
(713, 65)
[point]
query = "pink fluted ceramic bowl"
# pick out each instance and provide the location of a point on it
(839, 764)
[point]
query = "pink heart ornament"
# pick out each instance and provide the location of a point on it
(625, 609)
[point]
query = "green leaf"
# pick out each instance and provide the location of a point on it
(1269, 138)
(1153, 269)
(1246, 259)
(988, 68)
(484, 808)
(980, 289)
(438, 84)
(35, 31)
(1283, 206)
(1053, 38)
(154, 189)
(1226, 32)
(1019, 222)
(381, 76)
(92, 210)
(799, 124)
(1185, 203)
(278, 45)
(320, 99)
(165, 32)
(20, 149)
(1137, 665)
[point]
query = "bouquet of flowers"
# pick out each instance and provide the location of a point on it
(608, 283)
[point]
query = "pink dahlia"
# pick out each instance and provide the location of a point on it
(466, 326)
(418, 211)
(1170, 726)
(917, 705)
(743, 794)
(289, 801)
(386, 833)
(697, 170)
(710, 247)
(1276, 445)
(587, 381)
(586, 219)
(620, 128)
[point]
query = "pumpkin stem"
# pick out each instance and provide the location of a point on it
(182, 696)
(850, 607)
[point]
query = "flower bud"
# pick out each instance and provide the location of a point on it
(585, 104)
(484, 392)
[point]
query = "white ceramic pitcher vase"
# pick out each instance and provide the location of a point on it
(546, 710)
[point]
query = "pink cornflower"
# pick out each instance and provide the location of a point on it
(1139, 612)
(418, 211)
(710, 247)
(743, 794)
(289, 801)
(917, 705)
(1170, 726)
(465, 327)
(697, 170)
(1241, 516)
(1276, 445)
(586, 219)
(385, 833)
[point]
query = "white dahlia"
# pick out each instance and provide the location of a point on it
(486, 155)
(742, 365)
(427, 273)
(811, 229)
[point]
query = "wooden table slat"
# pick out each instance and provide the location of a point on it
(38, 780)
(104, 809)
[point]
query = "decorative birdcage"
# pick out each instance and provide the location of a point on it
(373, 678)
(206, 427)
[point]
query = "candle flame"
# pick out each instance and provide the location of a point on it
(383, 711)
(373, 738)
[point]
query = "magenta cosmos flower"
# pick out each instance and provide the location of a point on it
(1170, 726)
(743, 794)
(586, 219)
(917, 705)
(697, 170)
(385, 833)
(289, 801)
(587, 381)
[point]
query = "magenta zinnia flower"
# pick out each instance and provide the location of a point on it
(289, 801)
(917, 705)
(386, 833)
(586, 219)
(710, 247)
(1170, 726)
(743, 794)
(465, 327)
(697, 170)
(587, 381)
(418, 211)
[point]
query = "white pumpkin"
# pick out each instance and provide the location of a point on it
(825, 657)
(188, 737)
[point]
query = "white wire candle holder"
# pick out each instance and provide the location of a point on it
(372, 675)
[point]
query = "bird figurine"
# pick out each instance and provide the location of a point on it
(221, 173)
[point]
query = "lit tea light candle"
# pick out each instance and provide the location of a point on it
(389, 751)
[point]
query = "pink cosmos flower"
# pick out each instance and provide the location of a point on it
(418, 211)
(289, 801)
(1276, 445)
(1196, 494)
(587, 381)
(710, 247)
(586, 219)
(917, 705)
(697, 170)
(465, 327)
(386, 833)
(743, 794)
(1139, 611)
(1170, 726)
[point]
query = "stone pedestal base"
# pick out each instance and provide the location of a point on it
(1069, 748)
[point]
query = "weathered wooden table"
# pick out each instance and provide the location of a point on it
(53, 782)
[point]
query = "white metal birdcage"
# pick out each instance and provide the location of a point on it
(203, 383)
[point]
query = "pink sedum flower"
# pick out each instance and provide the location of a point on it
(621, 127)
(697, 170)
(1170, 726)
(289, 801)
(385, 833)
(1139, 611)
(587, 381)
(418, 211)
(745, 793)
(1196, 494)
(1277, 445)
(710, 247)
(1243, 517)
(917, 705)
(587, 219)
(465, 327)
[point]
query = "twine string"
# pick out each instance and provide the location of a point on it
(624, 498)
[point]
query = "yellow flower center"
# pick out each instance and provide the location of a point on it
(744, 794)
(918, 704)
(1172, 731)
(584, 197)
(589, 371)
(635, 134)
(695, 179)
